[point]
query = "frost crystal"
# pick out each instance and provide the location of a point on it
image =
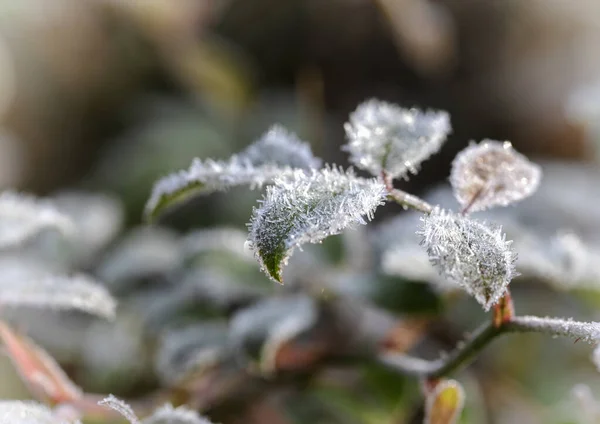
(472, 254)
(280, 147)
(28, 287)
(492, 174)
(307, 208)
(121, 407)
(23, 216)
(385, 137)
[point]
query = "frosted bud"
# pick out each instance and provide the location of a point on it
(445, 403)
(307, 208)
(385, 137)
(491, 174)
(470, 253)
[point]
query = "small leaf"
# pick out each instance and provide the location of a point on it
(307, 208)
(34, 288)
(38, 369)
(385, 137)
(278, 146)
(492, 174)
(23, 216)
(278, 152)
(469, 253)
(444, 405)
(121, 407)
(167, 414)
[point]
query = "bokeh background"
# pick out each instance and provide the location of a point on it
(99, 98)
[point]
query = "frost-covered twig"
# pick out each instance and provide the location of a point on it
(467, 350)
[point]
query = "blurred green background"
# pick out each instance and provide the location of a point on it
(106, 96)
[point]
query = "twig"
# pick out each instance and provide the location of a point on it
(467, 350)
(403, 198)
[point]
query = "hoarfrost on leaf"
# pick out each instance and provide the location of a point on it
(491, 174)
(470, 253)
(36, 288)
(278, 146)
(23, 216)
(385, 137)
(307, 208)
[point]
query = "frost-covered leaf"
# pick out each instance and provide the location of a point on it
(167, 414)
(23, 216)
(144, 252)
(277, 153)
(39, 371)
(470, 253)
(265, 326)
(491, 174)
(385, 137)
(191, 349)
(97, 217)
(27, 412)
(29, 287)
(278, 146)
(121, 407)
(586, 331)
(307, 208)
(444, 405)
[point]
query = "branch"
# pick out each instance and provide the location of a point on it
(466, 351)
(403, 198)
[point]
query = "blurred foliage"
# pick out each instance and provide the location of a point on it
(100, 98)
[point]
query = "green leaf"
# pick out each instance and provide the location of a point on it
(306, 208)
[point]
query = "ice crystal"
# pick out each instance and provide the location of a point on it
(445, 404)
(491, 174)
(167, 414)
(586, 331)
(278, 146)
(385, 137)
(35, 288)
(307, 208)
(23, 216)
(121, 407)
(470, 253)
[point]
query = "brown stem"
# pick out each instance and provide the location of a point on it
(504, 310)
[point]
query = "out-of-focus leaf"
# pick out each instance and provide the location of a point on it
(223, 239)
(27, 412)
(191, 350)
(31, 287)
(144, 252)
(445, 403)
(167, 414)
(265, 327)
(38, 369)
(23, 216)
(307, 208)
(97, 217)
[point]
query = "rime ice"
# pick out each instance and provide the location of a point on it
(492, 174)
(472, 254)
(385, 137)
(307, 208)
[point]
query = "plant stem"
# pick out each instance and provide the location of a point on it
(403, 198)
(464, 353)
